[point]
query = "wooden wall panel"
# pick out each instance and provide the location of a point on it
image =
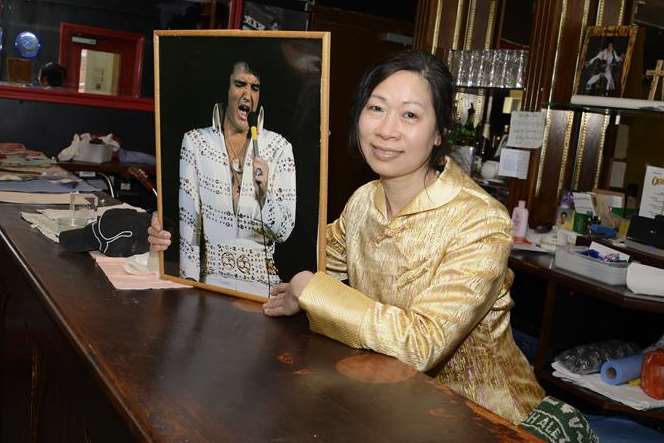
(574, 146)
(357, 43)
(573, 149)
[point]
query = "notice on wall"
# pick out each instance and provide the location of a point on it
(514, 163)
(652, 200)
(583, 203)
(617, 176)
(99, 72)
(526, 130)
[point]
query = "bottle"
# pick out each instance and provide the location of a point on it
(503, 140)
(520, 221)
(470, 118)
(484, 145)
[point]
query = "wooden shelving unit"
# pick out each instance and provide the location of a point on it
(542, 266)
(598, 400)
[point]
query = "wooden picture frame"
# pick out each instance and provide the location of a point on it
(227, 235)
(604, 61)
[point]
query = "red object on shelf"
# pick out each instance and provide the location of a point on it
(235, 15)
(74, 38)
(652, 374)
(72, 97)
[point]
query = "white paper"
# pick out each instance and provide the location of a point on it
(643, 279)
(652, 200)
(617, 179)
(622, 142)
(526, 130)
(614, 201)
(627, 394)
(514, 163)
(605, 250)
(583, 203)
(30, 198)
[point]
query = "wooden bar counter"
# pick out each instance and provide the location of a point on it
(83, 362)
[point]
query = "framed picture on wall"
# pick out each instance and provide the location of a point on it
(605, 60)
(241, 131)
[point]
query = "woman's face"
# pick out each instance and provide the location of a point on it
(397, 126)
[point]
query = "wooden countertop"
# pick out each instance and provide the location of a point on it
(190, 365)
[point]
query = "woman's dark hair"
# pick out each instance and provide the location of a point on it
(433, 70)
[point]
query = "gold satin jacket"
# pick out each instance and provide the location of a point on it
(429, 287)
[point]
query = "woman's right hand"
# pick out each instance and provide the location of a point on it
(159, 239)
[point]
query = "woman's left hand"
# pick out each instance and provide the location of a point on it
(284, 298)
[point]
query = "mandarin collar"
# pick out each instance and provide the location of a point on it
(446, 186)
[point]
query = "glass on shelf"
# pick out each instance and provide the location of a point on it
(520, 68)
(488, 68)
(463, 70)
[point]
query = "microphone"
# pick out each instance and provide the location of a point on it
(252, 118)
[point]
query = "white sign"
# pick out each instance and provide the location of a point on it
(526, 130)
(652, 200)
(617, 177)
(583, 203)
(514, 163)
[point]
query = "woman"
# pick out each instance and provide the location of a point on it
(424, 249)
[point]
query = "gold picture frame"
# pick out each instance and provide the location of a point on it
(229, 235)
(605, 60)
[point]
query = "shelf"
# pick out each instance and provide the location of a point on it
(112, 168)
(477, 89)
(543, 265)
(491, 183)
(640, 256)
(606, 110)
(17, 91)
(598, 400)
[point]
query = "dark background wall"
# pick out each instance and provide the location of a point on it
(50, 127)
(43, 18)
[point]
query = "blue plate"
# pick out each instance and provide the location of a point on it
(27, 44)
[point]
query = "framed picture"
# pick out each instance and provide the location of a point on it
(100, 60)
(242, 135)
(604, 61)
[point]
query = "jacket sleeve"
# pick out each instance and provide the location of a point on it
(466, 283)
(335, 249)
(279, 209)
(190, 222)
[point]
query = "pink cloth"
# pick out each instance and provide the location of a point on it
(113, 267)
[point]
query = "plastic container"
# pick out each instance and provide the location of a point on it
(652, 374)
(94, 153)
(570, 259)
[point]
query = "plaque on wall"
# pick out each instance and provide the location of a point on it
(99, 72)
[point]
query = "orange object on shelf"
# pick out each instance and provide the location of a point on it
(652, 374)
